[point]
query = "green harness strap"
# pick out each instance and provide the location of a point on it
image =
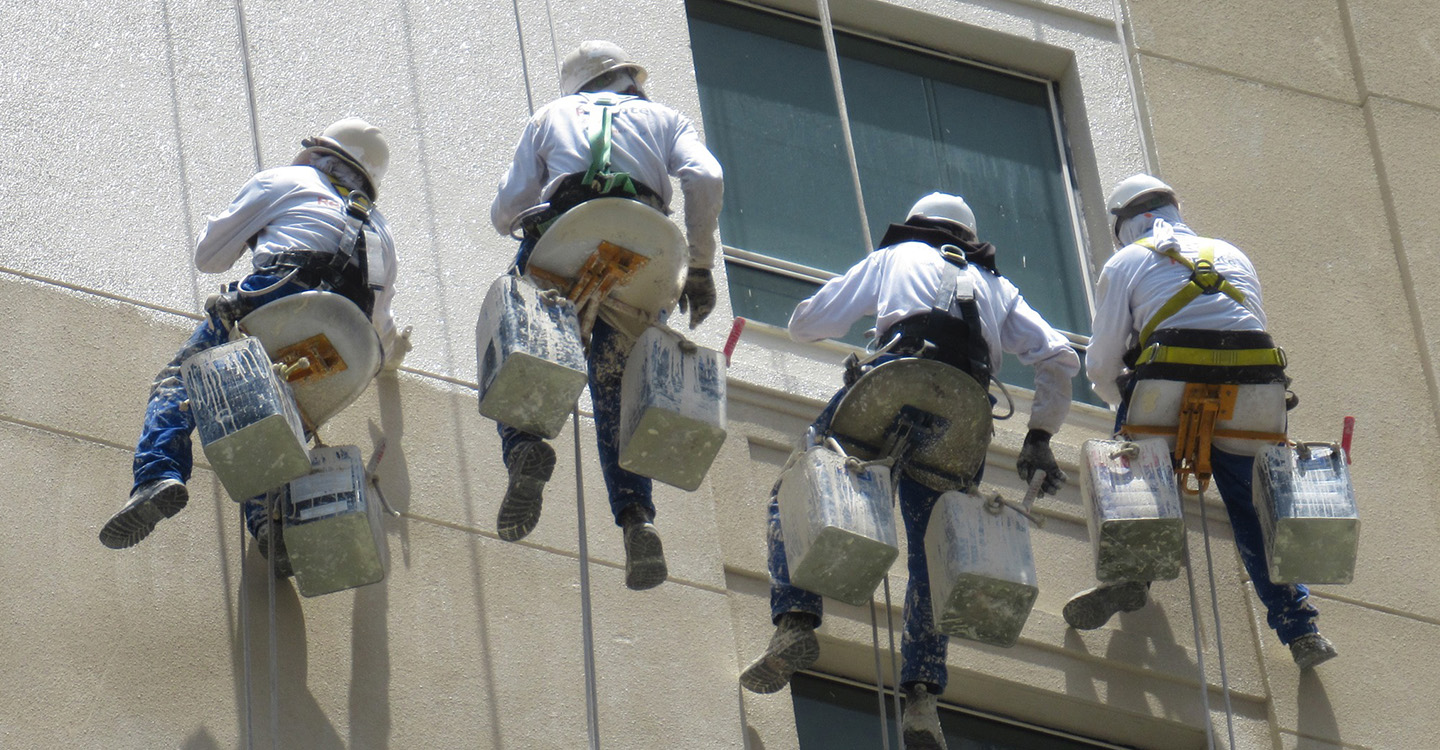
(1204, 279)
(599, 176)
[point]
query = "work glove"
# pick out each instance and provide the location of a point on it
(1035, 455)
(698, 295)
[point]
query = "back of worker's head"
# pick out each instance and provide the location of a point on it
(951, 209)
(351, 143)
(601, 66)
(1137, 195)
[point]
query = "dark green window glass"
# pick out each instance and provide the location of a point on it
(834, 715)
(920, 123)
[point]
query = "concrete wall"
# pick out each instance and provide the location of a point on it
(1303, 133)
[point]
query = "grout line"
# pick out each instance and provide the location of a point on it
(1251, 79)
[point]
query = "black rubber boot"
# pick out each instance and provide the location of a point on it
(644, 554)
(531, 465)
(149, 504)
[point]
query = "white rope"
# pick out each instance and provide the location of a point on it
(894, 669)
(879, 677)
(834, 60)
(245, 643)
(592, 708)
(1199, 647)
(274, 642)
(524, 66)
(249, 80)
(587, 631)
(1215, 610)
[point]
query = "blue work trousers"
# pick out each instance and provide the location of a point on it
(1287, 608)
(922, 647)
(1288, 611)
(606, 356)
(164, 449)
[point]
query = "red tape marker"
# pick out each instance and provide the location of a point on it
(734, 338)
(1346, 435)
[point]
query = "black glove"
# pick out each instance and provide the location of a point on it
(698, 295)
(1035, 455)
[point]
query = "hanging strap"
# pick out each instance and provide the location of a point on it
(599, 176)
(1204, 279)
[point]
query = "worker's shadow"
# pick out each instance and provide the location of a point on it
(1315, 717)
(300, 722)
(1147, 641)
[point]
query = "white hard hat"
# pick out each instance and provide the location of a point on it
(593, 59)
(1133, 196)
(357, 142)
(947, 207)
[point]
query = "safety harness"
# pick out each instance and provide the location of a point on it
(599, 180)
(1212, 364)
(950, 331)
(346, 271)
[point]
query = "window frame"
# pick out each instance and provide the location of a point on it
(771, 264)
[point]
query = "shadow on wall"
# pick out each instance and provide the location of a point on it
(1315, 716)
(1149, 643)
(301, 722)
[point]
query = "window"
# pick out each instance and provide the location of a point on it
(835, 715)
(920, 123)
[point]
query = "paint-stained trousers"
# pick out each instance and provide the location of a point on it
(606, 356)
(922, 647)
(164, 450)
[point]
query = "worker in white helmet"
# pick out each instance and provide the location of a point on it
(555, 169)
(1140, 305)
(294, 222)
(899, 284)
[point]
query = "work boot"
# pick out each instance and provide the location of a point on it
(149, 504)
(793, 648)
(920, 722)
(1312, 650)
(283, 569)
(531, 465)
(644, 555)
(1090, 609)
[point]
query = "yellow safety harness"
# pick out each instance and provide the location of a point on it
(1203, 404)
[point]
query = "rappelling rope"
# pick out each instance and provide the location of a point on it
(879, 677)
(834, 59)
(587, 632)
(1199, 648)
(1215, 610)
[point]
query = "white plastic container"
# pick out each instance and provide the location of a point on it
(839, 526)
(246, 418)
(530, 361)
(334, 530)
(672, 409)
(1306, 505)
(1136, 527)
(982, 571)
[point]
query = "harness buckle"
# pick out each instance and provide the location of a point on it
(1206, 277)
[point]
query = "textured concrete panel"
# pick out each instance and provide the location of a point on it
(1377, 693)
(1399, 46)
(117, 107)
(1290, 180)
(1295, 44)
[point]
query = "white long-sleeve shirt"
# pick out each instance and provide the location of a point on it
(649, 141)
(902, 280)
(1136, 282)
(295, 209)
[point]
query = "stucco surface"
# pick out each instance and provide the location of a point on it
(1294, 44)
(1398, 42)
